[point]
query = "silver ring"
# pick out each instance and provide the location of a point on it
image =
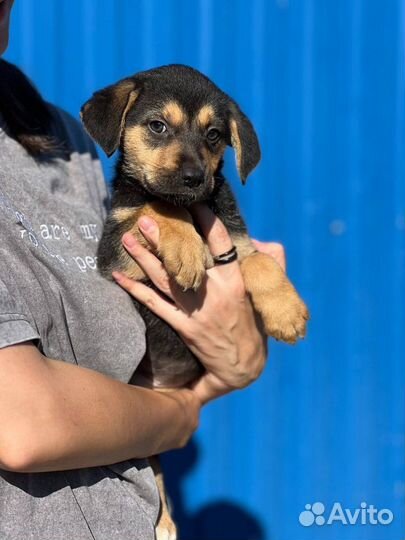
(227, 257)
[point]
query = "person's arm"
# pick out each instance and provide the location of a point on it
(57, 416)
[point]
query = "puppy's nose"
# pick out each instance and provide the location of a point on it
(193, 177)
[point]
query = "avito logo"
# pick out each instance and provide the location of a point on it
(365, 515)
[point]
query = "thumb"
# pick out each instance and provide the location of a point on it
(274, 249)
(209, 387)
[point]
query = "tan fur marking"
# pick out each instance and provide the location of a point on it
(205, 116)
(274, 297)
(174, 114)
(168, 158)
(128, 218)
(180, 246)
(122, 214)
(149, 161)
(132, 96)
(213, 159)
(235, 140)
(123, 89)
(136, 147)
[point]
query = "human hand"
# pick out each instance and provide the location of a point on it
(217, 322)
(208, 386)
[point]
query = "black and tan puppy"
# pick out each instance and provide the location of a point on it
(172, 125)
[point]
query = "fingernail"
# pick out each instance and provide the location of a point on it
(117, 276)
(146, 224)
(129, 240)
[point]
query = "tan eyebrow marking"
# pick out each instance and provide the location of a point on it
(174, 113)
(205, 116)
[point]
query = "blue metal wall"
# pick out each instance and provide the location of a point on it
(324, 83)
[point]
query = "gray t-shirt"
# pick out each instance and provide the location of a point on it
(51, 217)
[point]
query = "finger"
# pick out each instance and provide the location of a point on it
(149, 263)
(150, 230)
(274, 249)
(213, 230)
(153, 300)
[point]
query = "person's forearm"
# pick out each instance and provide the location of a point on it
(87, 419)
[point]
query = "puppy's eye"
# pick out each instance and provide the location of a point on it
(213, 135)
(157, 127)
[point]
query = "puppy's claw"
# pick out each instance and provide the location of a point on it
(190, 278)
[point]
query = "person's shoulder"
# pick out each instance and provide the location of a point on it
(70, 129)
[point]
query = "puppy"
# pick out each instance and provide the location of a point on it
(172, 125)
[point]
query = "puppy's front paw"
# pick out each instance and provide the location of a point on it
(185, 260)
(284, 315)
(274, 297)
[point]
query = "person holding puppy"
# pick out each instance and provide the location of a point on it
(74, 434)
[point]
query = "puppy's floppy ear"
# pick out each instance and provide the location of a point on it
(104, 114)
(244, 141)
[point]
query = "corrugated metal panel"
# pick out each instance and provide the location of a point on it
(324, 83)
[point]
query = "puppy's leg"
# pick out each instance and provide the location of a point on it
(180, 248)
(165, 528)
(274, 297)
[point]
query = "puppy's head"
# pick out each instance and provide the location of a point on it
(172, 125)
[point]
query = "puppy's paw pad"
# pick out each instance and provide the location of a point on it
(285, 317)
